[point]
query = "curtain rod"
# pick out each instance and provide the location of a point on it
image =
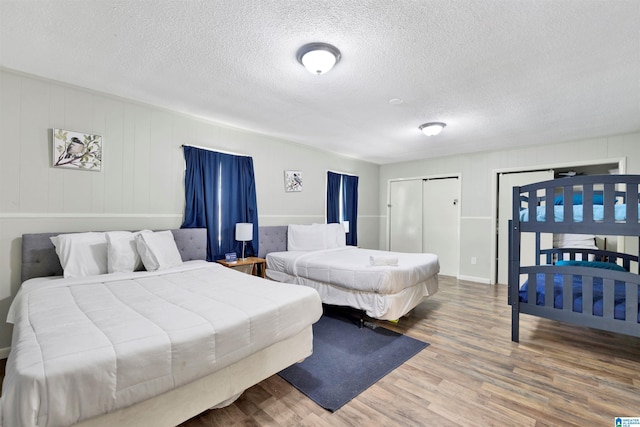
(342, 173)
(215, 149)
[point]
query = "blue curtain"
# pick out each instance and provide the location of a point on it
(220, 191)
(333, 197)
(350, 200)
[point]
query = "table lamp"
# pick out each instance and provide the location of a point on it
(244, 234)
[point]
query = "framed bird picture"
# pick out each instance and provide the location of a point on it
(77, 150)
(292, 181)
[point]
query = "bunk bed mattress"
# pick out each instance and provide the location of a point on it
(576, 295)
(89, 346)
(620, 213)
(351, 268)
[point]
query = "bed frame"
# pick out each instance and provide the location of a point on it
(182, 403)
(614, 188)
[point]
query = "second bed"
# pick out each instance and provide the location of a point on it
(385, 285)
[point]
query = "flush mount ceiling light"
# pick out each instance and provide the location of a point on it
(318, 58)
(433, 128)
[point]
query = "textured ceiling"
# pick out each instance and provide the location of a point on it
(500, 73)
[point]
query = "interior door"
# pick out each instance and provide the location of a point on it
(405, 216)
(505, 205)
(441, 222)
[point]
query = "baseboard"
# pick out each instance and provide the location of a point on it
(4, 352)
(482, 280)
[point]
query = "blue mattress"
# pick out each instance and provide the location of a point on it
(620, 213)
(619, 295)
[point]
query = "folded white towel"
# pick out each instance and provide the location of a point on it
(383, 260)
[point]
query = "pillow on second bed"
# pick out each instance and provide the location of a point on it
(336, 236)
(158, 250)
(315, 237)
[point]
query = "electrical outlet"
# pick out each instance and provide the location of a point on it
(473, 260)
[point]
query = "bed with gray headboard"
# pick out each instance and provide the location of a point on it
(27, 390)
(344, 275)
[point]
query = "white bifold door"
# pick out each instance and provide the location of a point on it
(424, 216)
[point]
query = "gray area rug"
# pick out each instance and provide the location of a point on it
(347, 360)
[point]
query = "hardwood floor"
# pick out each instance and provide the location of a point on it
(471, 374)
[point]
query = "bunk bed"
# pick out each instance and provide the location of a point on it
(595, 288)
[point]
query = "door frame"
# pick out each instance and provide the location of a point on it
(621, 161)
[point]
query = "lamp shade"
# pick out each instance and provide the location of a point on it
(244, 231)
(345, 224)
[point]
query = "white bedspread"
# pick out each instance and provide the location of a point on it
(87, 346)
(350, 268)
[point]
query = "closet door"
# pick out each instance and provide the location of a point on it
(405, 216)
(505, 205)
(441, 222)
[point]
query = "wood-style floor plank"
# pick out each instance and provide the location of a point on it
(471, 374)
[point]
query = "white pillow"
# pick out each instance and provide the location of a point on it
(82, 254)
(305, 237)
(335, 237)
(158, 250)
(122, 253)
(315, 237)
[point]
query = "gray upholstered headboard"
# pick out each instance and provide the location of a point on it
(272, 239)
(39, 258)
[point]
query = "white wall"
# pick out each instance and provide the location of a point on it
(477, 170)
(141, 182)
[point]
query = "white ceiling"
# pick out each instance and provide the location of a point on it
(500, 73)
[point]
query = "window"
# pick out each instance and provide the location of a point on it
(342, 202)
(220, 191)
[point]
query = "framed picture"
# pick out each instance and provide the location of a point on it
(77, 150)
(292, 181)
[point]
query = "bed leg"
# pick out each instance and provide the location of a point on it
(515, 324)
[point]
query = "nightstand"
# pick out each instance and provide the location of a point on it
(259, 264)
